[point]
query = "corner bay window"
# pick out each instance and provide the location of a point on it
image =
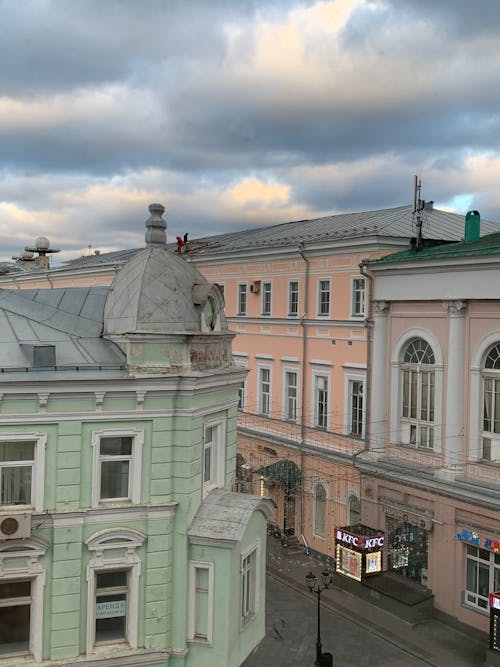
(248, 586)
(483, 576)
(417, 417)
(491, 405)
(15, 613)
(213, 455)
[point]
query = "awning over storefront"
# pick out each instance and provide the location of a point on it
(283, 472)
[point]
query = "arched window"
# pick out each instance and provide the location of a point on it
(418, 381)
(491, 404)
(354, 510)
(319, 510)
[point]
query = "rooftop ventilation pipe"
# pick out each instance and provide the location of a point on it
(472, 226)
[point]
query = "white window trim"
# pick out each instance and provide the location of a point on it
(362, 315)
(38, 473)
(291, 369)
(245, 621)
(238, 300)
(28, 551)
(259, 392)
(314, 488)
(218, 456)
(288, 313)
(318, 299)
(314, 404)
(135, 471)
(477, 396)
(115, 540)
(348, 380)
(193, 566)
(396, 389)
(243, 363)
(263, 291)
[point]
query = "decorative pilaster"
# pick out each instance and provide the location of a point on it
(454, 414)
(378, 411)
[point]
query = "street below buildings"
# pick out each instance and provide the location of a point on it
(356, 633)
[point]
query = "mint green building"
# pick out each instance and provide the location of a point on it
(121, 542)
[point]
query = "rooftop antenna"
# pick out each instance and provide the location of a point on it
(418, 207)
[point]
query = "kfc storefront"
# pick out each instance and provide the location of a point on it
(359, 551)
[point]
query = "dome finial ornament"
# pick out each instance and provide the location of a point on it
(156, 226)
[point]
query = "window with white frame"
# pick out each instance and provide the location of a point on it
(482, 576)
(265, 391)
(113, 587)
(319, 510)
(290, 411)
(321, 401)
(200, 612)
(358, 297)
(21, 598)
(242, 299)
(293, 298)
(266, 298)
(117, 466)
(418, 380)
(491, 405)
(22, 470)
(15, 612)
(213, 455)
(356, 408)
(323, 298)
(249, 585)
(242, 395)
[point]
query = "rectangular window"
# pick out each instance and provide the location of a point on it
(248, 586)
(117, 466)
(418, 407)
(15, 613)
(482, 576)
(242, 396)
(266, 299)
(358, 297)
(17, 460)
(323, 298)
(242, 299)
(293, 298)
(356, 400)
(111, 597)
(213, 455)
(264, 391)
(321, 401)
(200, 613)
(491, 419)
(291, 396)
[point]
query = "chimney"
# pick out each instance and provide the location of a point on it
(472, 226)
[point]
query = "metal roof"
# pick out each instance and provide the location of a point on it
(69, 319)
(486, 245)
(384, 223)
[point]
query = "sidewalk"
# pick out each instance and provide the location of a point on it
(434, 642)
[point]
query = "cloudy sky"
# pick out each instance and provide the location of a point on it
(239, 113)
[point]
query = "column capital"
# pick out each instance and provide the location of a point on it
(455, 307)
(380, 307)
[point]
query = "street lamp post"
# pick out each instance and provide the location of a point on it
(318, 587)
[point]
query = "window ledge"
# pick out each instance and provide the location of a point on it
(471, 607)
(247, 620)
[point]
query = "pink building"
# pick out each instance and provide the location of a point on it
(431, 476)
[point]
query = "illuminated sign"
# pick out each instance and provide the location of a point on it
(495, 601)
(374, 562)
(349, 562)
(472, 537)
(358, 541)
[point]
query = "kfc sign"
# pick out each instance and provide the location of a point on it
(358, 541)
(495, 601)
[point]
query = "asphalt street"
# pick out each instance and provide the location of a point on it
(291, 636)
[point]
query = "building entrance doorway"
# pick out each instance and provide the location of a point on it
(408, 549)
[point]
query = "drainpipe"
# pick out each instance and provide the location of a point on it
(303, 383)
(368, 326)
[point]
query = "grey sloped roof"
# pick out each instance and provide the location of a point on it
(224, 515)
(384, 223)
(71, 319)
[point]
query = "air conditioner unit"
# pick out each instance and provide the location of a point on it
(255, 287)
(15, 526)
